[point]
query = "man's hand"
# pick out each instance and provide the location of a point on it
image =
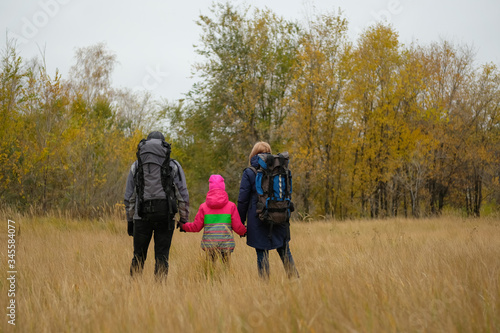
(179, 225)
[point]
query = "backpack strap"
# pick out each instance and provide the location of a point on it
(139, 178)
(166, 177)
(285, 170)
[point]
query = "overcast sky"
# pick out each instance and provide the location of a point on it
(153, 40)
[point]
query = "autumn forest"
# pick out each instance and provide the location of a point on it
(374, 128)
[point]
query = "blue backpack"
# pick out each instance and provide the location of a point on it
(273, 181)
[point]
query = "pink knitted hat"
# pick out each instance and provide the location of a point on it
(216, 182)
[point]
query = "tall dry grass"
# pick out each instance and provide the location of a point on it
(430, 275)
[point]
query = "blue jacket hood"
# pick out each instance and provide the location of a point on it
(254, 161)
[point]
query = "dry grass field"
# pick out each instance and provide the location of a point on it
(395, 275)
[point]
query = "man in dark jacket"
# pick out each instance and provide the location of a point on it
(157, 221)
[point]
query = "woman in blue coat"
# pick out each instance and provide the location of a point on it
(258, 231)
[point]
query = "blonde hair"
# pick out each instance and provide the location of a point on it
(258, 148)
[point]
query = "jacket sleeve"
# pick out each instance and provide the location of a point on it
(198, 223)
(236, 224)
(129, 199)
(245, 194)
(181, 191)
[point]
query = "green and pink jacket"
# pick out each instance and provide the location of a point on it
(219, 217)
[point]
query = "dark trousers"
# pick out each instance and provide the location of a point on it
(159, 227)
(286, 257)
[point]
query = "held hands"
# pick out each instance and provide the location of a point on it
(179, 226)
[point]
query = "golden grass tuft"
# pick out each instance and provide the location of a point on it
(396, 275)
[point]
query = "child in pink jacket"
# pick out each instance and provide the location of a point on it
(219, 217)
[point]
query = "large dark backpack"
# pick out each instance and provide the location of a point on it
(153, 179)
(273, 182)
